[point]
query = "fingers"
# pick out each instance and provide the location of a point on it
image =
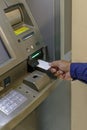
(61, 69)
(61, 64)
(54, 69)
(59, 73)
(55, 63)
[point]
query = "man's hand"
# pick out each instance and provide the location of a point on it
(61, 69)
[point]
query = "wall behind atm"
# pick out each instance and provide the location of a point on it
(54, 112)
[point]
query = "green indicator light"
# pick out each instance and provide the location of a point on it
(35, 55)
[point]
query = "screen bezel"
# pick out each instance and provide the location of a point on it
(14, 56)
(5, 53)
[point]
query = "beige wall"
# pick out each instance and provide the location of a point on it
(79, 30)
(79, 53)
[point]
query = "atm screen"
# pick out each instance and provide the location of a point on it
(4, 55)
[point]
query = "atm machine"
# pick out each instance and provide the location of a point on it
(22, 85)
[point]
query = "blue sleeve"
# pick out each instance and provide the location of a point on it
(79, 71)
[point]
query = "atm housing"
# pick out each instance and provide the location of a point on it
(21, 45)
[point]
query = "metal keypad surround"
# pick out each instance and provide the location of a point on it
(11, 101)
(32, 99)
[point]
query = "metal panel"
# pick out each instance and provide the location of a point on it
(46, 14)
(54, 113)
(65, 28)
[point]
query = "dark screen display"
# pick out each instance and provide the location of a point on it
(4, 55)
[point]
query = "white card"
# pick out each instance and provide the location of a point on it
(43, 64)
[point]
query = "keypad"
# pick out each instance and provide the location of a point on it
(11, 101)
